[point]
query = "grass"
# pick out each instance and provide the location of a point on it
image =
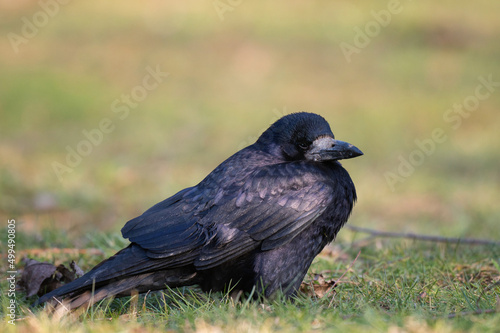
(393, 285)
(229, 79)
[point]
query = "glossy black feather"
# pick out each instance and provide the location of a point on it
(258, 219)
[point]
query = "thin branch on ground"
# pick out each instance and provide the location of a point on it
(469, 241)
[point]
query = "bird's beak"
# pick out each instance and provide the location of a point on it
(328, 149)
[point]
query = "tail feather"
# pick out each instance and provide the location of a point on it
(128, 271)
(126, 287)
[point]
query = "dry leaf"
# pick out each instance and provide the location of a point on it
(318, 286)
(39, 278)
(34, 275)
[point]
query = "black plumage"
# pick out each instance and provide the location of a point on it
(257, 220)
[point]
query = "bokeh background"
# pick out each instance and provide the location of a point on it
(234, 67)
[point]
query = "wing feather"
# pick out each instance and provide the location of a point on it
(211, 224)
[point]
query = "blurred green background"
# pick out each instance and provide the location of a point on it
(234, 68)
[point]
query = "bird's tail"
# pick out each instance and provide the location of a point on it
(123, 287)
(127, 272)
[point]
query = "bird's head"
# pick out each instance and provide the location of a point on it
(305, 136)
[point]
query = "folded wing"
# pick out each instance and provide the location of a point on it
(209, 225)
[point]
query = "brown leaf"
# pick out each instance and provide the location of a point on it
(422, 296)
(78, 271)
(34, 274)
(39, 278)
(317, 287)
(67, 275)
(483, 272)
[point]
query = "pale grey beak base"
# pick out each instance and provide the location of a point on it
(329, 149)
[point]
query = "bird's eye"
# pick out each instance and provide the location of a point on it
(303, 145)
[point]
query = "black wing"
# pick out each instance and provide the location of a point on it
(210, 225)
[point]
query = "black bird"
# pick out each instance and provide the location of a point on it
(256, 221)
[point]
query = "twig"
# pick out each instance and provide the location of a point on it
(337, 281)
(470, 241)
